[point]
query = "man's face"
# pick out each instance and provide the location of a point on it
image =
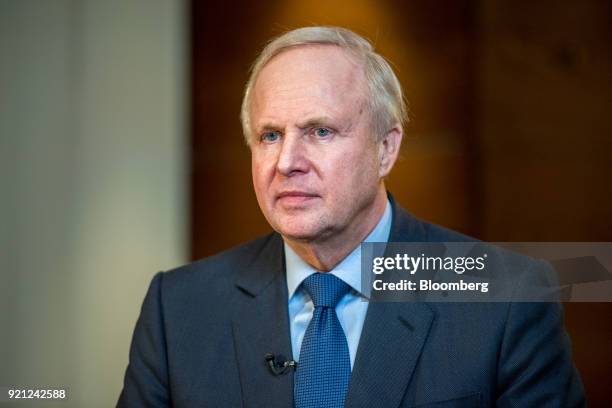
(315, 163)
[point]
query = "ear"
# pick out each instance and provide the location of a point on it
(388, 149)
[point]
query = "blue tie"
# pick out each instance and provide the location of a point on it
(324, 369)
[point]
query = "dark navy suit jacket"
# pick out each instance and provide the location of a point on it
(205, 328)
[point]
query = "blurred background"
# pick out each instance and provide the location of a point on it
(122, 154)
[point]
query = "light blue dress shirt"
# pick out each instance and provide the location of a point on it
(352, 307)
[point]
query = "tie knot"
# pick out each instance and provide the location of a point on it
(325, 289)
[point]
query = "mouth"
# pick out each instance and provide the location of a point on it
(295, 197)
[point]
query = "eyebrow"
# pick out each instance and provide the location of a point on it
(267, 126)
(319, 120)
(315, 121)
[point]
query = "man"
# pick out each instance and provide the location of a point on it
(323, 115)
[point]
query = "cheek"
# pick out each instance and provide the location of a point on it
(365, 177)
(353, 173)
(256, 174)
(360, 164)
(261, 173)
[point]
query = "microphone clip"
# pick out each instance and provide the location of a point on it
(278, 365)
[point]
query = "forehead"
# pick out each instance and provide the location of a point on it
(323, 75)
(325, 61)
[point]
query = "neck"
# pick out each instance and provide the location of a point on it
(324, 255)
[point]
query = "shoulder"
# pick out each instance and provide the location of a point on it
(405, 227)
(438, 233)
(408, 228)
(214, 275)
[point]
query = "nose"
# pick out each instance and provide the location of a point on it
(292, 159)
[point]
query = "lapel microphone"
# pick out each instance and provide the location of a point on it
(279, 364)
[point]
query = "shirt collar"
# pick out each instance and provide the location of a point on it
(349, 269)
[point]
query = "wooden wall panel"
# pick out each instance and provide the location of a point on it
(544, 136)
(545, 128)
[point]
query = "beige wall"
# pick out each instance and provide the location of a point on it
(93, 193)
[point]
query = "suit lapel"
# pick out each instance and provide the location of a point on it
(261, 325)
(391, 342)
(393, 336)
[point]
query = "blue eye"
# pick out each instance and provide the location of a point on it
(322, 132)
(271, 136)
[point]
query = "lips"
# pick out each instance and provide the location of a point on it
(296, 194)
(295, 197)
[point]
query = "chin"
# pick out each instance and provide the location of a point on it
(302, 231)
(303, 226)
(299, 234)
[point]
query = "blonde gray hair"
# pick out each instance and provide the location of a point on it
(386, 101)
